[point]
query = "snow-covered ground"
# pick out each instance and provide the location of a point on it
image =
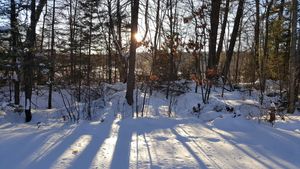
(214, 140)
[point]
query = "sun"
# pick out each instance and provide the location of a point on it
(138, 37)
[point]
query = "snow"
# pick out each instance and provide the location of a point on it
(27, 104)
(214, 140)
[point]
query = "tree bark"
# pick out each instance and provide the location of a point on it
(234, 35)
(52, 59)
(71, 23)
(28, 59)
(157, 27)
(43, 29)
(122, 61)
(133, 45)
(89, 63)
(293, 59)
(214, 22)
(238, 54)
(220, 44)
(14, 46)
(257, 46)
(277, 45)
(266, 49)
(110, 27)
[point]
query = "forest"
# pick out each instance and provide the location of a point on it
(148, 68)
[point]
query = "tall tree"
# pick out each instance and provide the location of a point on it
(214, 23)
(89, 61)
(28, 61)
(278, 40)
(223, 28)
(122, 61)
(234, 35)
(265, 47)
(52, 59)
(14, 48)
(132, 52)
(238, 52)
(172, 15)
(156, 33)
(72, 27)
(257, 44)
(293, 59)
(43, 28)
(109, 46)
(28, 58)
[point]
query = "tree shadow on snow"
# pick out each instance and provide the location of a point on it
(50, 156)
(130, 127)
(268, 137)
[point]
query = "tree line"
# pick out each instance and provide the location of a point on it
(79, 44)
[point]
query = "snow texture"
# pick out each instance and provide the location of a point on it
(217, 139)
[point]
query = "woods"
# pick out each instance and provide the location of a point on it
(80, 45)
(149, 84)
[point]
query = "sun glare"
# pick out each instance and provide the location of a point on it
(138, 37)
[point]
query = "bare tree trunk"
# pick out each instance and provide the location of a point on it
(234, 34)
(238, 54)
(14, 46)
(110, 27)
(172, 72)
(122, 61)
(277, 43)
(43, 28)
(262, 74)
(133, 44)
(52, 59)
(146, 21)
(171, 44)
(214, 22)
(89, 64)
(119, 24)
(72, 29)
(257, 46)
(80, 67)
(297, 93)
(220, 45)
(28, 61)
(157, 27)
(266, 49)
(72, 77)
(293, 60)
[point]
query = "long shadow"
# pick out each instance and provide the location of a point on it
(121, 155)
(199, 146)
(183, 140)
(229, 140)
(148, 151)
(137, 150)
(288, 138)
(233, 141)
(57, 149)
(31, 143)
(53, 154)
(282, 140)
(86, 157)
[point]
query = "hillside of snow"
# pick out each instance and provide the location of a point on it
(213, 138)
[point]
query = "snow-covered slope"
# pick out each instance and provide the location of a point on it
(216, 139)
